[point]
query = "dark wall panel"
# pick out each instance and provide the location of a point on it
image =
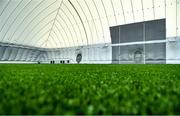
(139, 32)
(133, 54)
(131, 33)
(156, 53)
(115, 55)
(155, 30)
(115, 35)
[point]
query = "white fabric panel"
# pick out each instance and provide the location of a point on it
(178, 18)
(159, 6)
(43, 27)
(138, 12)
(148, 10)
(12, 18)
(118, 12)
(109, 12)
(5, 17)
(78, 22)
(128, 11)
(37, 19)
(32, 18)
(3, 6)
(171, 18)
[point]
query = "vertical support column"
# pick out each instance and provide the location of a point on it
(178, 30)
(119, 46)
(144, 39)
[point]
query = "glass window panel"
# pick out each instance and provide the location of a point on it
(115, 54)
(155, 30)
(133, 54)
(131, 33)
(155, 53)
(115, 33)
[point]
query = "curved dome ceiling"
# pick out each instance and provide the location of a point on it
(67, 23)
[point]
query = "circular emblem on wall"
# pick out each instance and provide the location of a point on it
(78, 58)
(138, 56)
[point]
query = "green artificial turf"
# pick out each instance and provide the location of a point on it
(89, 89)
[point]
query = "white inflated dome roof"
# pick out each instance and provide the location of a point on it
(67, 23)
